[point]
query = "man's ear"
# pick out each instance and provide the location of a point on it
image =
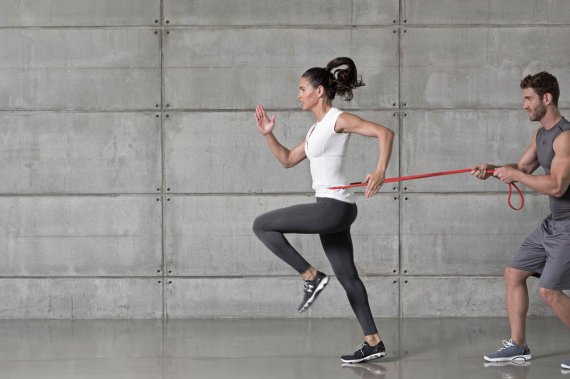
(547, 98)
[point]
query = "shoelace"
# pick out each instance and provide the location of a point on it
(507, 344)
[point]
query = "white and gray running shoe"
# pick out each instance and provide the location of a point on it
(509, 352)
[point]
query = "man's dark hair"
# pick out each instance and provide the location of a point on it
(543, 83)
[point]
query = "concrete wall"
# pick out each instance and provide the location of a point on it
(132, 169)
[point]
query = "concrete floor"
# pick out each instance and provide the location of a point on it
(278, 348)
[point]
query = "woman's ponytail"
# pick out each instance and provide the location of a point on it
(346, 78)
(335, 80)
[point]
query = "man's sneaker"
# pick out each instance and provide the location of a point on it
(311, 290)
(566, 365)
(365, 353)
(509, 352)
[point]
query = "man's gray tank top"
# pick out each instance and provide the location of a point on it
(559, 206)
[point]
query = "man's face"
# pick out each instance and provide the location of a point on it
(534, 104)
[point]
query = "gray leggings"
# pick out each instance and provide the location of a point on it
(331, 220)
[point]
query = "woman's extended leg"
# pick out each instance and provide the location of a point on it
(338, 247)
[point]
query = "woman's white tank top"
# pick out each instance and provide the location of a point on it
(325, 149)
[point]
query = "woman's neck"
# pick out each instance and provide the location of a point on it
(321, 110)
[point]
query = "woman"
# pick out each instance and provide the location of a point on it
(334, 211)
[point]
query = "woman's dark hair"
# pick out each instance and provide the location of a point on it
(335, 81)
(542, 83)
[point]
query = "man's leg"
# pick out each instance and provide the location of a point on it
(559, 302)
(556, 274)
(517, 307)
(529, 261)
(517, 302)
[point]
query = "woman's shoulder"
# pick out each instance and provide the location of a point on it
(335, 113)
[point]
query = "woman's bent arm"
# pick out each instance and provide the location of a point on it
(349, 123)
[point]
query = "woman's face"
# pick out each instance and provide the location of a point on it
(308, 95)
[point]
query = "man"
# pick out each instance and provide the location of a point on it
(546, 252)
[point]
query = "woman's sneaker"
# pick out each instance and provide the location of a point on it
(509, 352)
(566, 365)
(311, 290)
(365, 353)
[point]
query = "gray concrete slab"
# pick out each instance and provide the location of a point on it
(71, 236)
(479, 67)
(464, 297)
(464, 234)
(303, 348)
(211, 152)
(504, 12)
(83, 298)
(61, 152)
(80, 48)
(80, 13)
(442, 140)
(210, 68)
(80, 69)
(223, 152)
(212, 236)
(22, 13)
(271, 297)
(275, 12)
(71, 89)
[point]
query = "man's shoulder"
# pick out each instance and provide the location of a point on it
(564, 124)
(562, 139)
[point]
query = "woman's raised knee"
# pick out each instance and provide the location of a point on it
(258, 226)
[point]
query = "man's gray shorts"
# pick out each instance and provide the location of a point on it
(546, 252)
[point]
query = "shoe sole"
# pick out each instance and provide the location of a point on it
(508, 359)
(566, 367)
(365, 359)
(311, 300)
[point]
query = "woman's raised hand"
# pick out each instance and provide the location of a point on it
(264, 123)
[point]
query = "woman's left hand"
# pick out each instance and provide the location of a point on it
(375, 181)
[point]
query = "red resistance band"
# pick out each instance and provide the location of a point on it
(442, 173)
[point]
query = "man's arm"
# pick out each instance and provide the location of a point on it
(555, 184)
(527, 163)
